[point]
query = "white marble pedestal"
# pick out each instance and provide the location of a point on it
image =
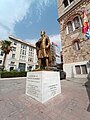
(43, 85)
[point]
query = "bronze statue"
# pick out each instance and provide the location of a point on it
(43, 51)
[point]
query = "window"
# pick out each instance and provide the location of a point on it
(22, 66)
(13, 55)
(30, 59)
(12, 63)
(31, 49)
(14, 48)
(81, 69)
(78, 70)
(73, 25)
(22, 57)
(71, 1)
(1, 53)
(70, 27)
(76, 22)
(23, 52)
(23, 46)
(76, 45)
(0, 61)
(15, 43)
(11, 68)
(31, 52)
(84, 69)
(29, 68)
(67, 2)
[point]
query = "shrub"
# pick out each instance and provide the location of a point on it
(10, 74)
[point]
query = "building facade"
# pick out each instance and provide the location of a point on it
(22, 57)
(55, 50)
(1, 57)
(75, 46)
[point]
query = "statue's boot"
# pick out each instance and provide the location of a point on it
(38, 68)
(46, 68)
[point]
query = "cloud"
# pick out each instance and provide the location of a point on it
(56, 39)
(14, 11)
(43, 3)
(41, 6)
(11, 12)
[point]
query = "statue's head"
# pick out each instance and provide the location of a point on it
(42, 33)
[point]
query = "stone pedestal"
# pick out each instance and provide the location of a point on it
(43, 85)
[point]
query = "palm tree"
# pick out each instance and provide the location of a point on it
(6, 48)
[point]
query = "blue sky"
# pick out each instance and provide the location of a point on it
(25, 19)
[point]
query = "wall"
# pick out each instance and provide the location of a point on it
(62, 10)
(71, 56)
(71, 71)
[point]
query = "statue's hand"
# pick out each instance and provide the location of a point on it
(47, 46)
(37, 48)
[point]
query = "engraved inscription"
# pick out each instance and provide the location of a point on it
(33, 86)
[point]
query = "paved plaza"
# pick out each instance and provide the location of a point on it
(71, 104)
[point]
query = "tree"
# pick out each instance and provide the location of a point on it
(6, 48)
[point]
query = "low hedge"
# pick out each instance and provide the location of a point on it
(6, 74)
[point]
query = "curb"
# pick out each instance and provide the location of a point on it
(14, 78)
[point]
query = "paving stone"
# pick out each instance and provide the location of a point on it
(72, 104)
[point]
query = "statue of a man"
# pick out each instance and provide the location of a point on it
(43, 51)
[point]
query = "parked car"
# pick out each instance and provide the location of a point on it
(62, 75)
(1, 67)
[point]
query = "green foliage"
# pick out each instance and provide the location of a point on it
(10, 74)
(6, 46)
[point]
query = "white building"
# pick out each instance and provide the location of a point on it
(22, 57)
(56, 53)
(1, 56)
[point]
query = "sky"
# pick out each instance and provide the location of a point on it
(25, 19)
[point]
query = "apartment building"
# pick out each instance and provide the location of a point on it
(22, 57)
(1, 56)
(75, 45)
(55, 52)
